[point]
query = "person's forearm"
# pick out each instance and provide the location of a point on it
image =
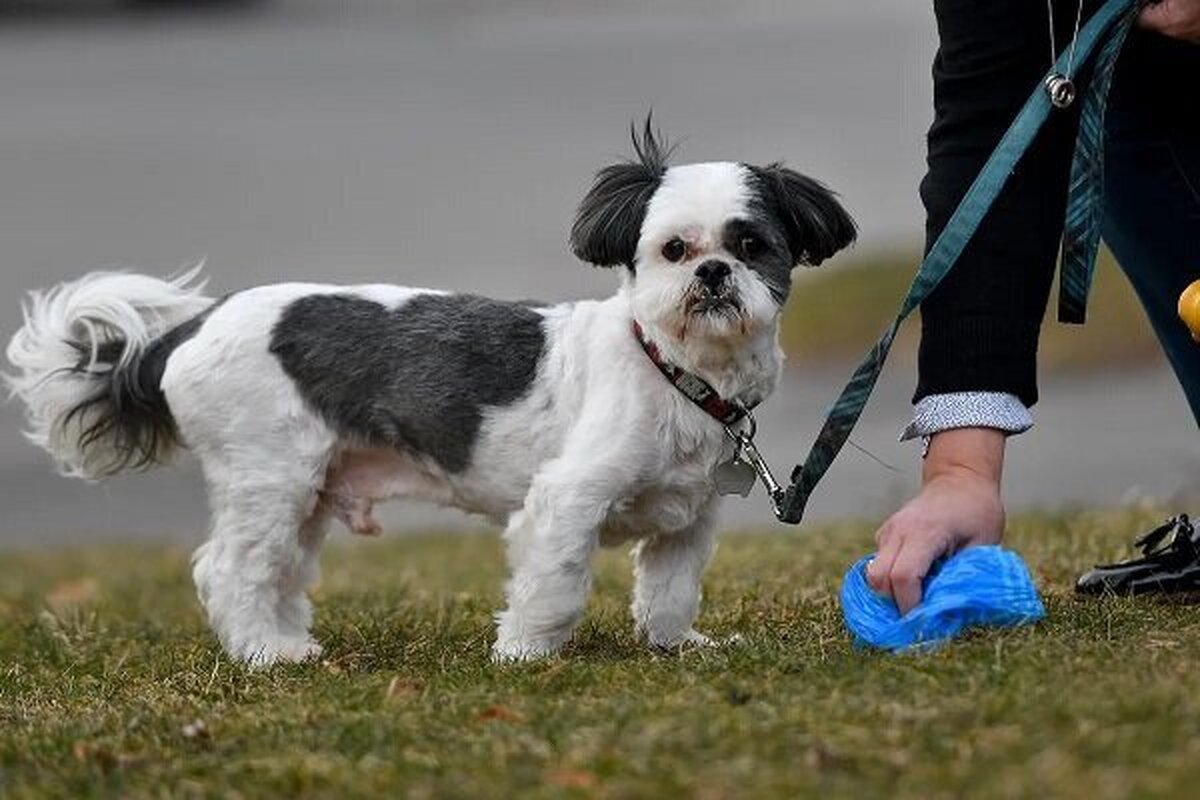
(979, 451)
(980, 327)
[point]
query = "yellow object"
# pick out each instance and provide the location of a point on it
(1189, 309)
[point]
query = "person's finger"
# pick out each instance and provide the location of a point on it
(880, 568)
(910, 568)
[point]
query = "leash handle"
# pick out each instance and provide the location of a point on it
(1107, 26)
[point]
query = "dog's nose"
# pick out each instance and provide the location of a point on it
(713, 273)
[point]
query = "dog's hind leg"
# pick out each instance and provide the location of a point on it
(667, 572)
(265, 455)
(253, 573)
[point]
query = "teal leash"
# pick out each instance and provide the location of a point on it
(1106, 30)
(1081, 230)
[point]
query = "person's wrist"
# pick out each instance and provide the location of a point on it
(966, 453)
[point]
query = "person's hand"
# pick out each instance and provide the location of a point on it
(958, 506)
(1179, 19)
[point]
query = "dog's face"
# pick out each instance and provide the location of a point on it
(709, 248)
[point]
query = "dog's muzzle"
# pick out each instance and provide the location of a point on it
(711, 291)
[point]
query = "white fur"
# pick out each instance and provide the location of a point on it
(96, 308)
(601, 451)
(739, 358)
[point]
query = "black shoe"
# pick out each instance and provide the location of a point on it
(1168, 564)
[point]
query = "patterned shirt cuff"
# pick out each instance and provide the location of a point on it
(942, 412)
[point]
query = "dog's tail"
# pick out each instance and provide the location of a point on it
(88, 362)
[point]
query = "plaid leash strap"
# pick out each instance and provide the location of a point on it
(1106, 29)
(1085, 207)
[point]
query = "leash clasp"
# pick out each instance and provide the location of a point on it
(743, 442)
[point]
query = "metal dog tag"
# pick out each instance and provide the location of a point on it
(734, 476)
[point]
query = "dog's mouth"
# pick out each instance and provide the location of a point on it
(703, 301)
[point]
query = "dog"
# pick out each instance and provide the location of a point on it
(566, 423)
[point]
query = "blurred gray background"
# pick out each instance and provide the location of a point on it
(445, 144)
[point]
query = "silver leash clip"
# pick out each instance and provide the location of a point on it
(746, 453)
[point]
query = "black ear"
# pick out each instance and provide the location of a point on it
(609, 220)
(815, 224)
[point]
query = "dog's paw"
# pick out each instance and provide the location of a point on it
(282, 651)
(518, 640)
(511, 651)
(687, 640)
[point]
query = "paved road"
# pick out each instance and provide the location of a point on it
(445, 142)
(401, 140)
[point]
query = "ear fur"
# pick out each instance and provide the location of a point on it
(609, 220)
(815, 223)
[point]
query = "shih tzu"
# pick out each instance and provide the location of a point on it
(574, 425)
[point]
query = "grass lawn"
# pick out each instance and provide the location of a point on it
(111, 685)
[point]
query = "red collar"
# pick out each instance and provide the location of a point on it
(691, 386)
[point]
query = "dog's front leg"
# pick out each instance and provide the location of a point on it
(550, 545)
(667, 572)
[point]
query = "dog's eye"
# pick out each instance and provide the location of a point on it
(674, 250)
(750, 246)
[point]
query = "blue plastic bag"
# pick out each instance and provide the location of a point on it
(976, 586)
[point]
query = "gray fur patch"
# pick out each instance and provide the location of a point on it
(417, 378)
(771, 262)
